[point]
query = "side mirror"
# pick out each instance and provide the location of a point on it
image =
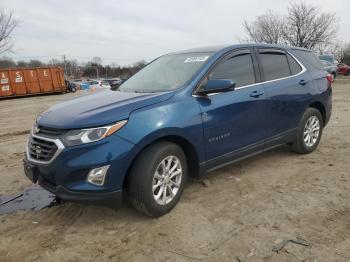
(217, 86)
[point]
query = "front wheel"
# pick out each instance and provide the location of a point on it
(157, 179)
(309, 132)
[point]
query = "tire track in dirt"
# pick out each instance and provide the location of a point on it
(16, 133)
(63, 217)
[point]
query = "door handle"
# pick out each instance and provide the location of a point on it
(256, 94)
(302, 82)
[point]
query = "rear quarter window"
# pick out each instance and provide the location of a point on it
(309, 58)
(295, 68)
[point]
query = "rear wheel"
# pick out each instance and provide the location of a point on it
(157, 179)
(309, 132)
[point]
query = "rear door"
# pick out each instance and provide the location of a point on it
(234, 122)
(285, 83)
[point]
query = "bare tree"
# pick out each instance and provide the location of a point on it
(337, 49)
(55, 62)
(346, 54)
(267, 28)
(97, 60)
(306, 26)
(7, 25)
(7, 62)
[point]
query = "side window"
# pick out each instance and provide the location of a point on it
(294, 66)
(310, 58)
(238, 68)
(275, 65)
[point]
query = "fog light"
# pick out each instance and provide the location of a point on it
(97, 175)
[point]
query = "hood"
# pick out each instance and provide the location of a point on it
(97, 109)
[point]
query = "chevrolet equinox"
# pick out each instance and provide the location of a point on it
(183, 115)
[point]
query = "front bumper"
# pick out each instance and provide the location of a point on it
(66, 175)
(107, 198)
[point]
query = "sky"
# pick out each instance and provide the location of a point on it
(124, 32)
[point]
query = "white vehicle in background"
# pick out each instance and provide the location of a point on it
(99, 84)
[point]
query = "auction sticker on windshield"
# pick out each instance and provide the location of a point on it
(196, 59)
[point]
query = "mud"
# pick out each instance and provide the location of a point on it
(32, 199)
(243, 212)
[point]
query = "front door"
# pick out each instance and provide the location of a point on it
(234, 122)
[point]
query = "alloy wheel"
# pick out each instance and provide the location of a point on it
(311, 131)
(167, 180)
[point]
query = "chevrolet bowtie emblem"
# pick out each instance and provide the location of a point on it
(36, 130)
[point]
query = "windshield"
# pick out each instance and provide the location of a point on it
(166, 73)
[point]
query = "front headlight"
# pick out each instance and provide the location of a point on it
(84, 136)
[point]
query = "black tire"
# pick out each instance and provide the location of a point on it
(140, 179)
(299, 145)
(73, 90)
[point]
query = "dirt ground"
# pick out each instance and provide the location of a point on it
(246, 209)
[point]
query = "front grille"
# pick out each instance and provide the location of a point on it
(49, 132)
(40, 149)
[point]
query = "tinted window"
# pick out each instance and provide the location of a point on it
(238, 68)
(310, 58)
(166, 73)
(275, 65)
(294, 66)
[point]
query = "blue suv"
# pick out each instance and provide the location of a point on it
(183, 115)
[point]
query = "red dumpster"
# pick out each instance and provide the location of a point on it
(29, 81)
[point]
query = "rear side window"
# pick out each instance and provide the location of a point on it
(310, 58)
(238, 68)
(295, 68)
(275, 65)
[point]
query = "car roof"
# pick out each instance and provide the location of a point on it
(224, 48)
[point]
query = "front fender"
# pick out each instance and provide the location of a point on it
(179, 117)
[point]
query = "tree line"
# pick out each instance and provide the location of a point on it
(302, 26)
(74, 69)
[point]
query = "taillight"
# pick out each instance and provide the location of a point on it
(330, 80)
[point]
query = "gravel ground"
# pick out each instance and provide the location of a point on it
(243, 211)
